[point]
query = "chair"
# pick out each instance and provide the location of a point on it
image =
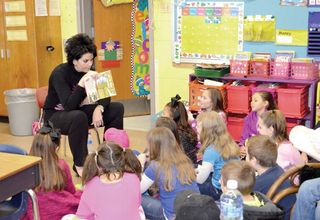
(16, 207)
(290, 175)
(41, 95)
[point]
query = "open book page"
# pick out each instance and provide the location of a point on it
(100, 86)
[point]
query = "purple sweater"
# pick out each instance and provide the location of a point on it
(249, 126)
(56, 204)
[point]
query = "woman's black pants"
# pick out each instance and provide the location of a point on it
(76, 123)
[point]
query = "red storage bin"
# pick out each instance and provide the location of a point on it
(239, 67)
(293, 100)
(292, 123)
(195, 92)
(307, 71)
(235, 126)
(239, 97)
(259, 68)
(280, 70)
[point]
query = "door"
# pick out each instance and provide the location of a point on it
(18, 62)
(115, 23)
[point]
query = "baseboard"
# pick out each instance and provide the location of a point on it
(4, 119)
(135, 107)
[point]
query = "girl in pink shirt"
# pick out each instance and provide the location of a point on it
(111, 179)
(273, 124)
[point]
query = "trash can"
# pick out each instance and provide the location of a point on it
(22, 109)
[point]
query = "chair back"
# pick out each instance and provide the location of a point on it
(6, 148)
(41, 95)
(290, 175)
(17, 205)
(275, 195)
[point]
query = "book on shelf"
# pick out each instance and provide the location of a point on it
(303, 60)
(261, 56)
(284, 55)
(99, 86)
(244, 55)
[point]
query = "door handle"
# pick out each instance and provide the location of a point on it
(2, 54)
(8, 53)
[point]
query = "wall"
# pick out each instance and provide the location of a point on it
(69, 25)
(171, 78)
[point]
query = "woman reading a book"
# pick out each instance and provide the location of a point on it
(67, 105)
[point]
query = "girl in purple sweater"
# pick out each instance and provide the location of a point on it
(56, 193)
(111, 179)
(261, 101)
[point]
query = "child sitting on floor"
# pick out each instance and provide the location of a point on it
(255, 204)
(262, 154)
(111, 179)
(273, 124)
(211, 100)
(187, 136)
(169, 168)
(56, 193)
(217, 147)
(261, 101)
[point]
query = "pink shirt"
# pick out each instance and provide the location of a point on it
(120, 200)
(56, 204)
(288, 156)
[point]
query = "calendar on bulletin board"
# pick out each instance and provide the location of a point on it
(207, 32)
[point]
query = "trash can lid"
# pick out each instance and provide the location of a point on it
(20, 92)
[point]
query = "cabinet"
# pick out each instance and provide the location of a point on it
(26, 62)
(311, 83)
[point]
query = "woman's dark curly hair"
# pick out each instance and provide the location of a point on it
(78, 45)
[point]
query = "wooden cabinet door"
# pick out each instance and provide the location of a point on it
(115, 23)
(3, 62)
(20, 63)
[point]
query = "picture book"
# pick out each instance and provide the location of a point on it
(99, 86)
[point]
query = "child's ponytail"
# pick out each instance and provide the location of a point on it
(90, 168)
(132, 164)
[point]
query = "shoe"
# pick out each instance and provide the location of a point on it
(75, 170)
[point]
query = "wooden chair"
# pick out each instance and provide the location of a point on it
(290, 175)
(41, 95)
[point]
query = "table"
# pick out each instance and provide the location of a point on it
(19, 173)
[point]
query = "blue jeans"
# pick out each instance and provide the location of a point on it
(208, 189)
(152, 208)
(307, 199)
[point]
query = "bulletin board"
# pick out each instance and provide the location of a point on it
(207, 31)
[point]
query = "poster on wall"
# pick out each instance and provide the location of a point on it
(140, 78)
(207, 32)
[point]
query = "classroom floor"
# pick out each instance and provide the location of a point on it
(136, 127)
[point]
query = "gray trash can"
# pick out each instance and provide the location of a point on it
(22, 109)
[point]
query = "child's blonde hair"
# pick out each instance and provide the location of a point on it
(240, 171)
(110, 159)
(276, 120)
(214, 132)
(168, 155)
(44, 145)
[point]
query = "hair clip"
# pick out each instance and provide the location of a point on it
(96, 159)
(48, 128)
(175, 100)
(110, 154)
